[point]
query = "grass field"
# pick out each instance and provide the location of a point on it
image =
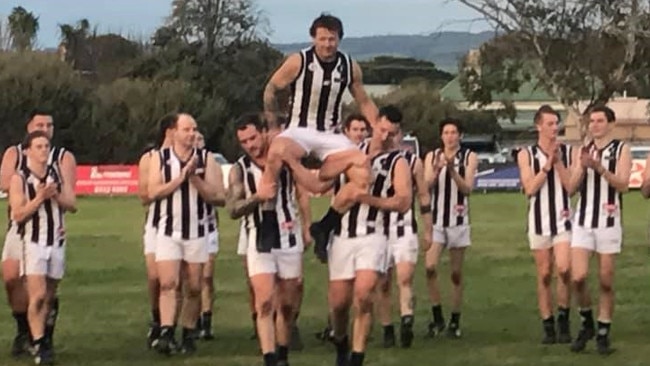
(104, 311)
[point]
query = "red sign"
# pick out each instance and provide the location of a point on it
(107, 179)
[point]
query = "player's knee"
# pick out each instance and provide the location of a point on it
(431, 272)
(170, 285)
(208, 281)
(544, 277)
(606, 283)
(456, 278)
(405, 281)
(564, 273)
(385, 285)
(265, 307)
(286, 309)
(37, 298)
(579, 280)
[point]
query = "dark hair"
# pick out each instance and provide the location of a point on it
(391, 112)
(37, 112)
(450, 121)
(248, 119)
(609, 113)
(328, 22)
(167, 122)
(545, 109)
(27, 141)
(355, 117)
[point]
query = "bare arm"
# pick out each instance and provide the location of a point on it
(302, 195)
(530, 181)
(21, 209)
(645, 186)
(67, 199)
(69, 174)
(577, 172)
(211, 187)
(424, 198)
(466, 184)
(306, 179)
(401, 200)
(280, 80)
(156, 188)
(366, 105)
(620, 180)
(236, 202)
(431, 170)
(8, 168)
(563, 171)
(143, 178)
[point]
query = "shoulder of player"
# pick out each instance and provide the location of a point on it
(11, 152)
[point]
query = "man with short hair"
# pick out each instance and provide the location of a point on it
(449, 171)
(403, 253)
(318, 77)
(38, 197)
(273, 265)
(356, 128)
(204, 322)
(152, 219)
(184, 179)
(601, 176)
(358, 252)
(544, 173)
(12, 160)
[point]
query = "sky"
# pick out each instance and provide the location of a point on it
(289, 20)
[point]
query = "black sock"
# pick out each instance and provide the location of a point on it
(407, 320)
(389, 329)
(437, 314)
(155, 316)
(455, 319)
(563, 314)
(270, 359)
(330, 220)
(22, 325)
(283, 353)
(50, 322)
(603, 329)
(587, 318)
(342, 345)
(549, 323)
(206, 319)
(356, 358)
(39, 342)
(187, 333)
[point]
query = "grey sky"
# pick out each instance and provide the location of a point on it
(289, 19)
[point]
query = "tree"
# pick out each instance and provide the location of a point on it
(394, 70)
(75, 45)
(213, 23)
(575, 50)
(23, 26)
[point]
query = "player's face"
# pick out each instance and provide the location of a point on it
(450, 136)
(357, 131)
(251, 141)
(39, 150)
(385, 132)
(548, 126)
(598, 125)
(397, 139)
(41, 123)
(199, 141)
(326, 43)
(185, 131)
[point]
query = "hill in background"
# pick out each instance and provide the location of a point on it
(442, 48)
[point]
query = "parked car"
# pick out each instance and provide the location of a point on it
(487, 148)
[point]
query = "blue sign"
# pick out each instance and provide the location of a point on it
(504, 177)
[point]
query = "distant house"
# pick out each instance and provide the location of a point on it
(632, 119)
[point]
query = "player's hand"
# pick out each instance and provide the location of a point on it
(47, 191)
(306, 238)
(439, 161)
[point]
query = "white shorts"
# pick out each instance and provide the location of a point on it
(349, 255)
(452, 237)
(213, 242)
(149, 240)
(242, 243)
(13, 245)
(285, 264)
(404, 249)
(190, 251)
(321, 143)
(40, 260)
(607, 240)
(538, 242)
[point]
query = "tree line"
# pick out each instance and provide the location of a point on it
(210, 58)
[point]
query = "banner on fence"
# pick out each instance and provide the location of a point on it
(107, 179)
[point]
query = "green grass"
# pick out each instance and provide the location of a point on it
(104, 306)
